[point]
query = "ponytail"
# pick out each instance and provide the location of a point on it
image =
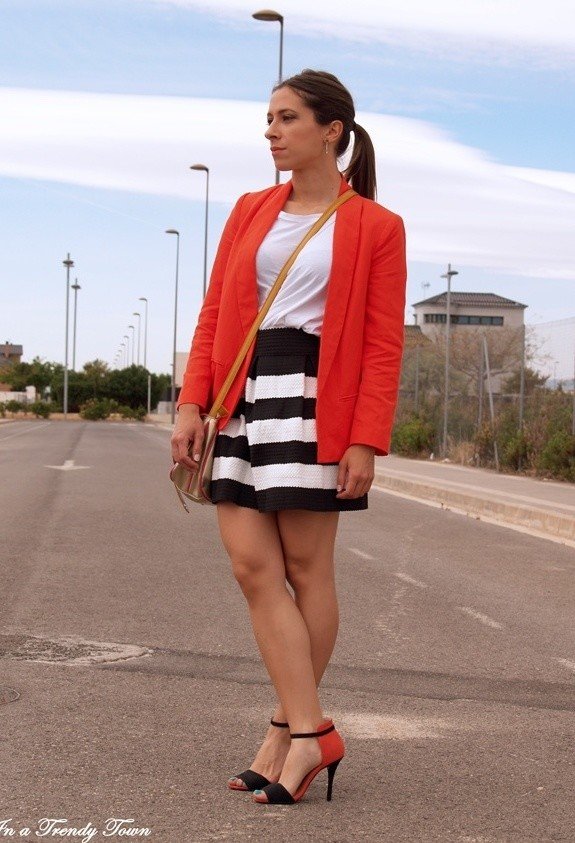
(360, 171)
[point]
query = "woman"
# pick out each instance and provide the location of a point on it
(310, 408)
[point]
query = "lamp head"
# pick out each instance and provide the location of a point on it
(172, 231)
(201, 167)
(268, 15)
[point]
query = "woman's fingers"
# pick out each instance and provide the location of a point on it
(356, 469)
(341, 474)
(198, 442)
(181, 440)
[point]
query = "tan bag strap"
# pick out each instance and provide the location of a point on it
(217, 407)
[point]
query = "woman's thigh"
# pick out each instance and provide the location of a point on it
(308, 540)
(252, 541)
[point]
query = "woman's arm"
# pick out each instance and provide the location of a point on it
(382, 342)
(197, 376)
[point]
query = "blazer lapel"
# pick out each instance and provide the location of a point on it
(251, 240)
(345, 245)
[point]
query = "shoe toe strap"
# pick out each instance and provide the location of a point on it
(252, 780)
(278, 794)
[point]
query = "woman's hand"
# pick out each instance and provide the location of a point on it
(356, 472)
(189, 428)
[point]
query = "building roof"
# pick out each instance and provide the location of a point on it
(470, 300)
(8, 348)
(413, 336)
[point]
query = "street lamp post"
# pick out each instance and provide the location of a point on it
(133, 341)
(127, 338)
(144, 299)
(269, 15)
(68, 264)
(123, 347)
(173, 395)
(75, 287)
(450, 272)
(135, 313)
(206, 170)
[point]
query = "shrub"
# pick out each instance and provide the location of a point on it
(40, 409)
(95, 408)
(14, 406)
(516, 451)
(138, 413)
(2, 410)
(413, 437)
(558, 455)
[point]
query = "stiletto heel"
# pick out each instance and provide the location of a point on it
(330, 774)
(332, 751)
(250, 778)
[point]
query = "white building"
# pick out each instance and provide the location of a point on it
(487, 310)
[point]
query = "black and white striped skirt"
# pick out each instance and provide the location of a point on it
(266, 457)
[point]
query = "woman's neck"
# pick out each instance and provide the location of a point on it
(313, 191)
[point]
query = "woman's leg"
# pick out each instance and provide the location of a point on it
(253, 543)
(308, 541)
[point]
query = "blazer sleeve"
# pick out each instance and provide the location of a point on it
(197, 381)
(383, 341)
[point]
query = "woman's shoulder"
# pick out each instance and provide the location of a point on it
(378, 213)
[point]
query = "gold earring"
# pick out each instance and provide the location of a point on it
(326, 147)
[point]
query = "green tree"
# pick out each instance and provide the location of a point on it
(533, 380)
(38, 373)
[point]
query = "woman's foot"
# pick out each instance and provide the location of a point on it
(270, 757)
(302, 757)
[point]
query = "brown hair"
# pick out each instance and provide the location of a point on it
(330, 100)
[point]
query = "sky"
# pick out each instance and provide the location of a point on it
(105, 104)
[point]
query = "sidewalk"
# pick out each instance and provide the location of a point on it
(543, 507)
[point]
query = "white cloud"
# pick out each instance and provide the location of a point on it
(524, 23)
(457, 203)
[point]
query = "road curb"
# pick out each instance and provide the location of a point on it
(553, 524)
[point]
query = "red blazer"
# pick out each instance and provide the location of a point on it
(362, 336)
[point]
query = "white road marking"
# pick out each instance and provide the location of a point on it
(566, 663)
(368, 726)
(481, 617)
(22, 432)
(68, 466)
(406, 578)
(360, 553)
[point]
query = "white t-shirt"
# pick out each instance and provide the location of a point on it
(300, 302)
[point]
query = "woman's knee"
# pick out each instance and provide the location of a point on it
(304, 571)
(250, 571)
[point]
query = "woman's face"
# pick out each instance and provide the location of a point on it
(296, 139)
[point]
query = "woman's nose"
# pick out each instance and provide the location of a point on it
(271, 132)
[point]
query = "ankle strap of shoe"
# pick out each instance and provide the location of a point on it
(277, 723)
(312, 734)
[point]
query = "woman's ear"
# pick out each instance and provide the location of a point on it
(334, 131)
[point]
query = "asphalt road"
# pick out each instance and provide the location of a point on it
(141, 688)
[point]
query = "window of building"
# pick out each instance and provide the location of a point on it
(462, 319)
